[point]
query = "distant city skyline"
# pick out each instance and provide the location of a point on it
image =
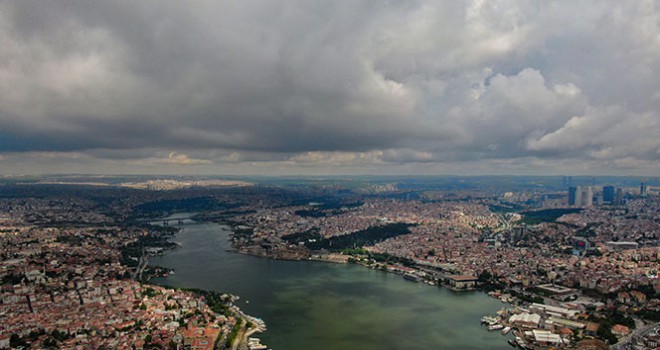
(329, 88)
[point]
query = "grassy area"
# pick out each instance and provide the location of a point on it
(313, 240)
(546, 215)
(231, 338)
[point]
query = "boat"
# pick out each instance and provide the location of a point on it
(490, 320)
(255, 344)
(521, 343)
(506, 330)
(512, 343)
(495, 327)
(411, 277)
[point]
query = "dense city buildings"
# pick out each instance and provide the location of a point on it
(72, 278)
(74, 258)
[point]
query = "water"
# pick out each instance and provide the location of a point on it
(315, 305)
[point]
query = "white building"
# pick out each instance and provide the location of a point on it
(526, 320)
(587, 197)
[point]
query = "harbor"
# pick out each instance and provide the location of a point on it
(541, 326)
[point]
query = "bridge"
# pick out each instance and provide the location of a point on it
(177, 222)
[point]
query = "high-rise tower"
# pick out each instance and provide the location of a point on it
(618, 199)
(587, 197)
(573, 196)
(608, 194)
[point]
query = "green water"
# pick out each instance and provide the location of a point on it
(314, 305)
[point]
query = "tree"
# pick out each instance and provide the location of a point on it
(485, 276)
(16, 341)
(605, 332)
(50, 342)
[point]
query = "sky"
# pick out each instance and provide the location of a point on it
(330, 87)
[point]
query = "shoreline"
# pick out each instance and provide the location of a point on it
(338, 258)
(243, 342)
(334, 258)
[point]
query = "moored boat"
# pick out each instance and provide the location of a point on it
(490, 320)
(411, 277)
(521, 343)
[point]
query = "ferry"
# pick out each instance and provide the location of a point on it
(411, 277)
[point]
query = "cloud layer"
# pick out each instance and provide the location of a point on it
(377, 86)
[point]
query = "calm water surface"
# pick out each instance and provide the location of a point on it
(319, 306)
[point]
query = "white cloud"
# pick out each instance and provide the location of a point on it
(313, 83)
(604, 133)
(180, 159)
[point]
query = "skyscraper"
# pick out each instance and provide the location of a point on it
(573, 196)
(643, 189)
(608, 194)
(618, 200)
(587, 197)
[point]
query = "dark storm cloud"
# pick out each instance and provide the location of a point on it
(331, 82)
(248, 76)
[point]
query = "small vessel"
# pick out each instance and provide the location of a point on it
(255, 344)
(521, 343)
(495, 327)
(411, 277)
(506, 330)
(490, 320)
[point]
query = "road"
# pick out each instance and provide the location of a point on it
(626, 342)
(137, 275)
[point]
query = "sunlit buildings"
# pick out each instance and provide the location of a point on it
(579, 196)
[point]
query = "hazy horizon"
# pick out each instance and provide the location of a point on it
(327, 175)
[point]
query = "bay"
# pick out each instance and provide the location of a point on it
(316, 305)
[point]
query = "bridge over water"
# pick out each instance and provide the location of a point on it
(176, 221)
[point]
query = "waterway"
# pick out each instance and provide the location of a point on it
(315, 305)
